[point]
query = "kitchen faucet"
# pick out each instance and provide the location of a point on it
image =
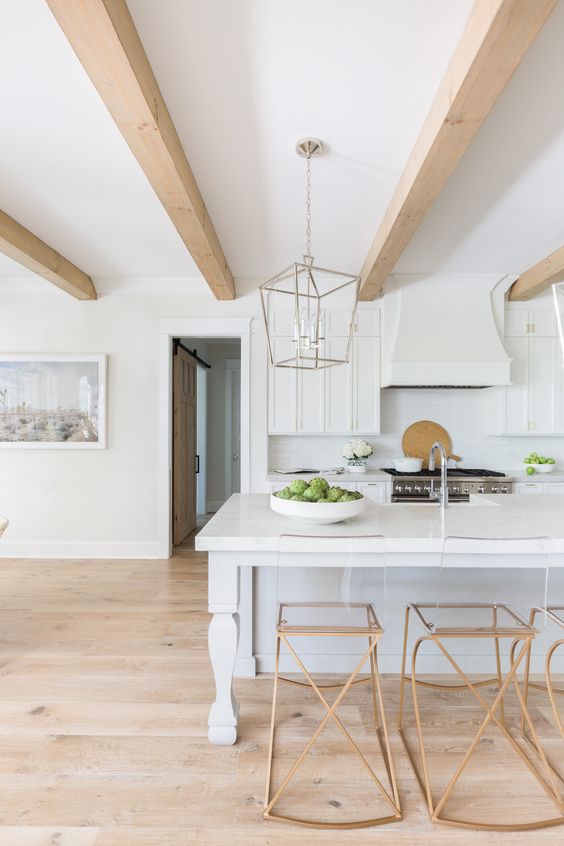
(443, 493)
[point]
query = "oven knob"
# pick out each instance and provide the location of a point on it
(399, 488)
(408, 488)
(481, 489)
(417, 489)
(456, 490)
(466, 490)
(504, 490)
(427, 488)
(494, 489)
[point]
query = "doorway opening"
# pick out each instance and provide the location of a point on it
(206, 429)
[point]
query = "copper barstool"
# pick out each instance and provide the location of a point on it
(330, 619)
(504, 624)
(553, 614)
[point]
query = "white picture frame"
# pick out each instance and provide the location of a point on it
(52, 401)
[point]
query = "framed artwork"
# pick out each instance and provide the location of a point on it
(52, 401)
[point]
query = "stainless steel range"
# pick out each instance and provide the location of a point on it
(419, 487)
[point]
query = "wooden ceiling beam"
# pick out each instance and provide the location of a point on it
(538, 278)
(27, 249)
(103, 36)
(497, 36)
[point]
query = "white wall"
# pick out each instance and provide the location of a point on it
(105, 502)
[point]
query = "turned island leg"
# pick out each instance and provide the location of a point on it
(223, 638)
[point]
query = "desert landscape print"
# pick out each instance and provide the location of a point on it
(49, 402)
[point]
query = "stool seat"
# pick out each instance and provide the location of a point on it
(488, 619)
(326, 618)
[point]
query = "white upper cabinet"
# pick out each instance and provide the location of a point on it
(338, 394)
(365, 385)
(343, 399)
(516, 398)
(545, 377)
(521, 322)
(282, 391)
(311, 417)
(533, 405)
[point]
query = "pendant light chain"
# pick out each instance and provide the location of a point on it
(308, 207)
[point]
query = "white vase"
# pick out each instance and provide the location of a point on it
(356, 468)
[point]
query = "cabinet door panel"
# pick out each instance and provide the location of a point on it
(542, 321)
(366, 385)
(516, 322)
(516, 397)
(338, 394)
(311, 406)
(529, 488)
(368, 321)
(375, 491)
(282, 390)
(554, 489)
(544, 379)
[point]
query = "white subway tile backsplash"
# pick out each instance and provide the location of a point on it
(471, 417)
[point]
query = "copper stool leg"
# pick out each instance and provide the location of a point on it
(552, 691)
(391, 796)
(436, 807)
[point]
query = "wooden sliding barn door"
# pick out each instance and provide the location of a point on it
(183, 445)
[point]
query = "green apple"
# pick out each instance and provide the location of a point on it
(530, 471)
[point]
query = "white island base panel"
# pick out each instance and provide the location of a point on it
(245, 534)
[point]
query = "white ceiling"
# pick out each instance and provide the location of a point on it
(503, 208)
(243, 80)
(65, 171)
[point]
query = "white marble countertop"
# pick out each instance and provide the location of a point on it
(247, 523)
(334, 478)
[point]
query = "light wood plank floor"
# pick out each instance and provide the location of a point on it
(104, 694)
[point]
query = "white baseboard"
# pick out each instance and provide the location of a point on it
(245, 668)
(391, 663)
(88, 549)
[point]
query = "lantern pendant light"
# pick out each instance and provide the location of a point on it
(297, 302)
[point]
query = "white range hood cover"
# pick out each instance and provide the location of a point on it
(443, 331)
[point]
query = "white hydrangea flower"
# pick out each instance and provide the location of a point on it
(362, 449)
(348, 451)
(356, 448)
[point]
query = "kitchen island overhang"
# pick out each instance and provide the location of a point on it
(245, 533)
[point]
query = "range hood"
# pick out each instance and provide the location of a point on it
(444, 331)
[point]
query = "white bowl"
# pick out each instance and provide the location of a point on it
(542, 468)
(318, 513)
(408, 465)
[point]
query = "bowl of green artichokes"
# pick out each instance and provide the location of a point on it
(317, 502)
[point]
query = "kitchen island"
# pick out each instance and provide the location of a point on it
(245, 533)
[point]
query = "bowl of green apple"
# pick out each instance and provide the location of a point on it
(317, 502)
(535, 463)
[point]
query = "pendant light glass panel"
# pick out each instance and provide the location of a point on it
(558, 294)
(297, 304)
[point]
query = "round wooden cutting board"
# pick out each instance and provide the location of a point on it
(419, 438)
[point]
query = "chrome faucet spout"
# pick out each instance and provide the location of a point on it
(443, 494)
